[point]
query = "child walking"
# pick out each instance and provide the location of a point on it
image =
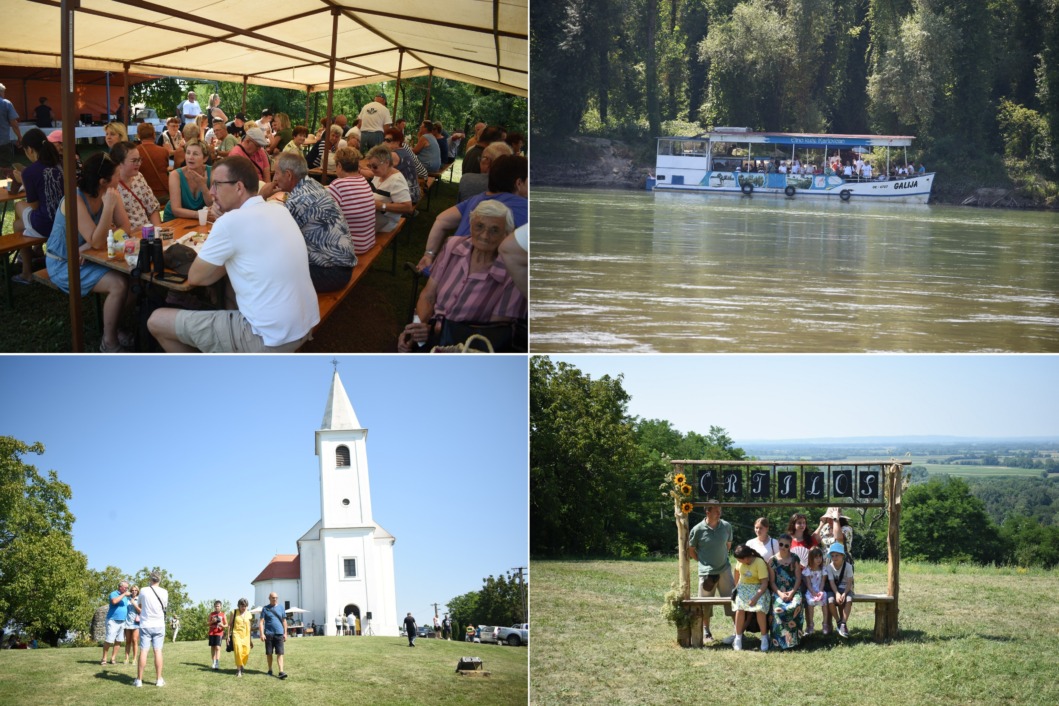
(752, 596)
(840, 588)
(813, 578)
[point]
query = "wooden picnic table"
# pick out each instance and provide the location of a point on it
(6, 196)
(180, 226)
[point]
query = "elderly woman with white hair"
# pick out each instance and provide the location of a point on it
(470, 289)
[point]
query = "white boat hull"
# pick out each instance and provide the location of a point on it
(914, 189)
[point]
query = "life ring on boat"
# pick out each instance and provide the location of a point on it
(747, 188)
(845, 194)
(789, 191)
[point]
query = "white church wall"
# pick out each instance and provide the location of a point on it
(286, 589)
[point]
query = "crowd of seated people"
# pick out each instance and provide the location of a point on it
(854, 169)
(476, 277)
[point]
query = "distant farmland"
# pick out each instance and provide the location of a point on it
(979, 471)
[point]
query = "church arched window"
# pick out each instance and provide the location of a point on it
(342, 456)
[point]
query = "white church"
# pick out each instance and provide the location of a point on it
(344, 564)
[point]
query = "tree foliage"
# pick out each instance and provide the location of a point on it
(939, 69)
(457, 105)
(42, 577)
(942, 519)
(583, 458)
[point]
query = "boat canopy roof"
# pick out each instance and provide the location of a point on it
(801, 139)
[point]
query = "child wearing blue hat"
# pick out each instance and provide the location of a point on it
(839, 589)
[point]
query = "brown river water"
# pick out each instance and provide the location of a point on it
(626, 271)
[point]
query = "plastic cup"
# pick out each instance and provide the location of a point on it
(203, 212)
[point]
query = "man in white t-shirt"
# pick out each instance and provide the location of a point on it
(154, 601)
(374, 119)
(189, 109)
(272, 304)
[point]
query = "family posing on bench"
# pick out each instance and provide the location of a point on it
(777, 582)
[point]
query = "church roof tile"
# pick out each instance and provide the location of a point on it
(282, 566)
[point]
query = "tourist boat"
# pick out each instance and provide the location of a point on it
(736, 161)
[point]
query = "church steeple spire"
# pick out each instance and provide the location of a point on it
(339, 414)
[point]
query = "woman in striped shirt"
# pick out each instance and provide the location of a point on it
(355, 199)
(469, 282)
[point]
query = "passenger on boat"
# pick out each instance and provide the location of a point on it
(865, 172)
(847, 171)
(922, 169)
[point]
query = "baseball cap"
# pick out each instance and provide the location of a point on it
(257, 135)
(55, 136)
(837, 548)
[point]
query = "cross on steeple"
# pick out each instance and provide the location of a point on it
(334, 362)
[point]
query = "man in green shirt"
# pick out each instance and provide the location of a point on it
(709, 543)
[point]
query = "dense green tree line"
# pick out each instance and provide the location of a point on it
(969, 78)
(500, 601)
(457, 105)
(596, 477)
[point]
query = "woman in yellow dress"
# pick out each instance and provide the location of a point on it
(240, 634)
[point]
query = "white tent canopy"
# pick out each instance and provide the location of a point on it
(286, 44)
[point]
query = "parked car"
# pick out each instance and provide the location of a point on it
(515, 635)
(487, 633)
(426, 631)
(140, 114)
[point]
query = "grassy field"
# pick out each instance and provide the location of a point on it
(369, 319)
(981, 471)
(370, 670)
(599, 639)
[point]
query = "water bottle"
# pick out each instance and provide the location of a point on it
(111, 245)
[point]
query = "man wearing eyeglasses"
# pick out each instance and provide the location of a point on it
(272, 306)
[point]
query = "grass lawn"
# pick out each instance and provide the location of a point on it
(966, 637)
(330, 670)
(369, 319)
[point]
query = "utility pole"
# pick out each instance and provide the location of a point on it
(435, 608)
(522, 587)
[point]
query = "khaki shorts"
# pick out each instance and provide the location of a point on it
(724, 587)
(225, 331)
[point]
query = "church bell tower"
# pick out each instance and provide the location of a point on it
(345, 495)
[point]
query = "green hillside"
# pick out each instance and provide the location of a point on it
(966, 638)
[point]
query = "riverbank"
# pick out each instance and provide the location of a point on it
(601, 163)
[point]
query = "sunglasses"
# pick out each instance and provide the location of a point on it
(787, 546)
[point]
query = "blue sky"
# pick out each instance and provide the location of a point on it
(814, 396)
(205, 465)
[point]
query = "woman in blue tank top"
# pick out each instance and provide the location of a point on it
(98, 209)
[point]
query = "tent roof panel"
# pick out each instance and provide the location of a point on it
(284, 43)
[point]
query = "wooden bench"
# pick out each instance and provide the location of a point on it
(884, 605)
(432, 181)
(12, 243)
(42, 277)
(329, 301)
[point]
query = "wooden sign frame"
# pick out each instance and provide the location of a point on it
(740, 488)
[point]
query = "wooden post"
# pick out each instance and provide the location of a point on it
(397, 90)
(894, 486)
(335, 13)
(69, 87)
(694, 639)
(243, 110)
(308, 93)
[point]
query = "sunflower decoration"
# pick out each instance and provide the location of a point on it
(679, 479)
(685, 489)
(686, 508)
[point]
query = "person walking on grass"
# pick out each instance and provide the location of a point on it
(410, 629)
(154, 601)
(274, 632)
(216, 626)
(240, 636)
